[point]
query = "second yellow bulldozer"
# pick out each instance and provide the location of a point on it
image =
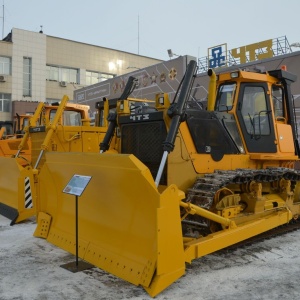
(174, 183)
(63, 128)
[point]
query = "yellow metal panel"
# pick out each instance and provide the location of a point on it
(43, 225)
(170, 255)
(128, 269)
(12, 187)
(119, 224)
(9, 174)
(179, 162)
(67, 240)
(204, 163)
(169, 231)
(26, 194)
(285, 138)
(130, 230)
(222, 239)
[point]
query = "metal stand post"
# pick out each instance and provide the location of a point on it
(77, 266)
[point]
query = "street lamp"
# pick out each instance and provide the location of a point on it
(171, 54)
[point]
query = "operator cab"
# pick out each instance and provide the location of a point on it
(263, 109)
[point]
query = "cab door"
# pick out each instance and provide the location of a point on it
(255, 118)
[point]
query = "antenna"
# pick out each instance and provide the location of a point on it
(3, 21)
(138, 34)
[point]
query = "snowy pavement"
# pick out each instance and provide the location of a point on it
(30, 270)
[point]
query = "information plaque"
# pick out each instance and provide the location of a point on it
(77, 185)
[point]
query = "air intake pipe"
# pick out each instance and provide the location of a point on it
(211, 101)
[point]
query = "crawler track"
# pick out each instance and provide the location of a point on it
(205, 188)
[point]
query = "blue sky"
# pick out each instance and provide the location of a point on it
(151, 27)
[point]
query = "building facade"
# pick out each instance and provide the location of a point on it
(165, 77)
(36, 67)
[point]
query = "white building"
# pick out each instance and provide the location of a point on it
(36, 67)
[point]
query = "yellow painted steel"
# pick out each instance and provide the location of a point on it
(21, 147)
(53, 125)
(2, 132)
(285, 139)
(128, 230)
(13, 188)
(211, 90)
(32, 122)
(43, 225)
(203, 163)
(194, 209)
(221, 239)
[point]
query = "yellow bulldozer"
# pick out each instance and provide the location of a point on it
(13, 129)
(11, 133)
(62, 127)
(174, 182)
(18, 142)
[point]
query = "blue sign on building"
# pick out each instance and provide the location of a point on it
(217, 56)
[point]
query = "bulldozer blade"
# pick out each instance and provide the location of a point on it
(125, 225)
(17, 190)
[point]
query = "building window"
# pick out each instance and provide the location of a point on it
(26, 76)
(5, 65)
(5, 102)
(52, 73)
(69, 75)
(55, 73)
(95, 77)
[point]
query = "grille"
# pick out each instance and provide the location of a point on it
(145, 140)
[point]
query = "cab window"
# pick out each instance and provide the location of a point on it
(225, 97)
(277, 98)
(70, 118)
(254, 111)
(52, 115)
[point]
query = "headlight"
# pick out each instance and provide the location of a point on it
(234, 74)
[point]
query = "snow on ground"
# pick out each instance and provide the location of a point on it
(30, 270)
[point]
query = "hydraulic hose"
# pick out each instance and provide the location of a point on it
(112, 117)
(177, 112)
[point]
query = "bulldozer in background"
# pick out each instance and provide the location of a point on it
(15, 139)
(6, 128)
(13, 129)
(173, 183)
(60, 127)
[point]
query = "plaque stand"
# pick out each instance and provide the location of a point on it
(77, 265)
